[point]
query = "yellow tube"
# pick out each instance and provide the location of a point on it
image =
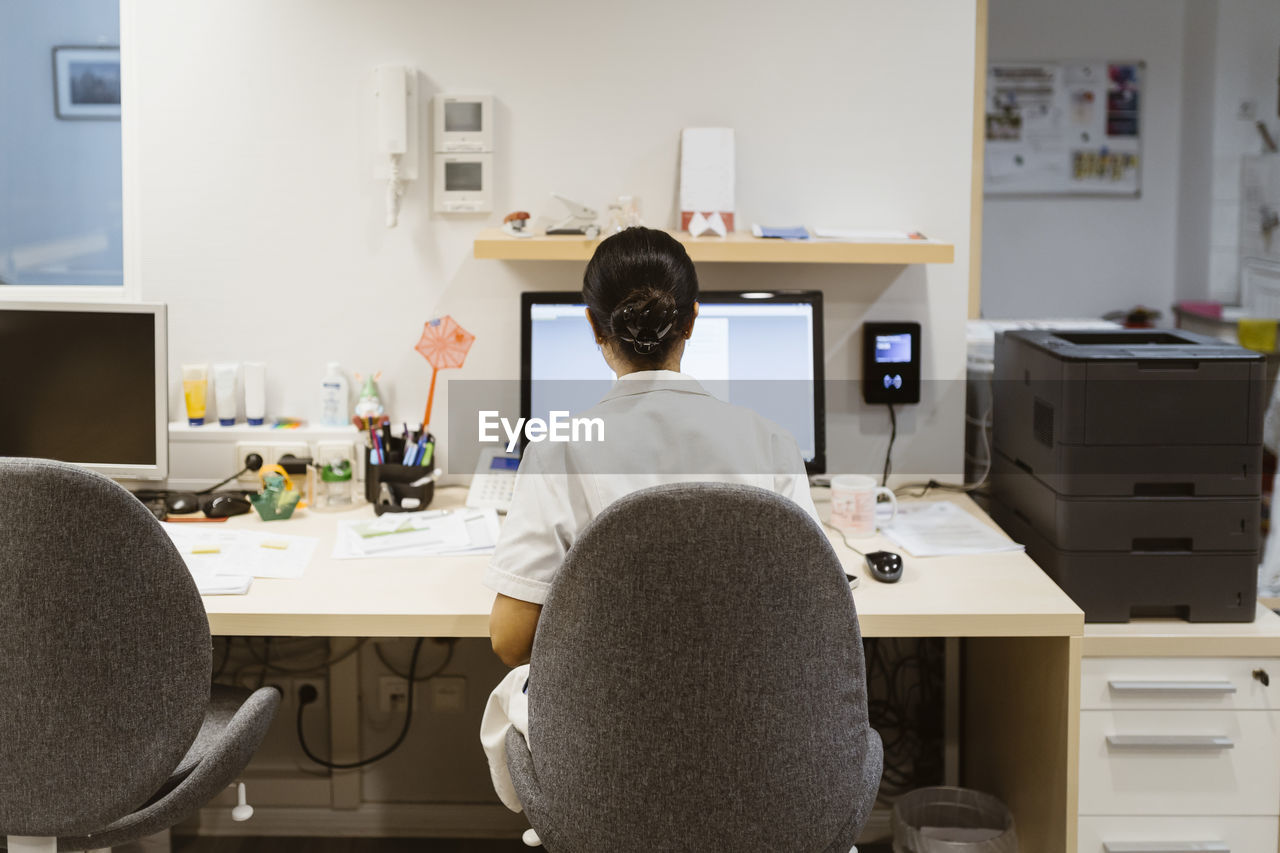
(195, 386)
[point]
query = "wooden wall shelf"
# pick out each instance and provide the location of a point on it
(739, 247)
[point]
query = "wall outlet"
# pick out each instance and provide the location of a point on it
(270, 451)
(449, 694)
(393, 694)
(322, 698)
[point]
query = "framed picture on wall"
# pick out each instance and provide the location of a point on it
(86, 83)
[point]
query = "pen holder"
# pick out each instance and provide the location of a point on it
(398, 480)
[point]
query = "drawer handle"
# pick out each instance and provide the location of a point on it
(1170, 741)
(1172, 686)
(1165, 847)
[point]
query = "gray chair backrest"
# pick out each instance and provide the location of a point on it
(698, 683)
(104, 651)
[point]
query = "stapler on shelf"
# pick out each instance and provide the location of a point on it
(581, 219)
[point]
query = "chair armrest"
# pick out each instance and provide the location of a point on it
(523, 777)
(225, 759)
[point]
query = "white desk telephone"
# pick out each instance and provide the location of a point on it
(494, 480)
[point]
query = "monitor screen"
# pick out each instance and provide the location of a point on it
(86, 384)
(759, 350)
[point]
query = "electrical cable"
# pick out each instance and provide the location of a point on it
(904, 690)
(252, 462)
(320, 667)
(307, 694)
(266, 662)
(382, 658)
(925, 487)
(888, 454)
(847, 543)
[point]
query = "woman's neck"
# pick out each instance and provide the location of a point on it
(627, 369)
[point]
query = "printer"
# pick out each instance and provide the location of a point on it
(1129, 463)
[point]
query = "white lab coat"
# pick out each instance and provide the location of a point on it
(660, 427)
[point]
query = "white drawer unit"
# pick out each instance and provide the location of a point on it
(1178, 683)
(1178, 835)
(1180, 737)
(1179, 762)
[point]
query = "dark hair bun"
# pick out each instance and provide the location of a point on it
(641, 288)
(644, 319)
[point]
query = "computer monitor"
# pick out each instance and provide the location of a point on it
(760, 350)
(88, 384)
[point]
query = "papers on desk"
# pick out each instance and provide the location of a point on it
(225, 562)
(418, 534)
(867, 235)
(940, 529)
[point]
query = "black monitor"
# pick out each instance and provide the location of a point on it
(86, 383)
(761, 350)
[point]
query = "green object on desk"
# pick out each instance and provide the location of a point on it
(275, 502)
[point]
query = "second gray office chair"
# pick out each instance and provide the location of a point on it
(108, 729)
(698, 684)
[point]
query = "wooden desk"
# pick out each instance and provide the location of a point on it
(1022, 652)
(994, 595)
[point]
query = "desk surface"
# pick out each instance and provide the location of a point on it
(993, 595)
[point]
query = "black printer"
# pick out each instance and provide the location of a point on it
(1129, 463)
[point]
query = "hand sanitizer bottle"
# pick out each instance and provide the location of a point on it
(333, 397)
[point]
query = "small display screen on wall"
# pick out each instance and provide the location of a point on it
(893, 349)
(462, 117)
(462, 177)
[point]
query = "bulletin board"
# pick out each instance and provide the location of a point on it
(1064, 128)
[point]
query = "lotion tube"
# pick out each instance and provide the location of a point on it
(195, 388)
(224, 390)
(255, 392)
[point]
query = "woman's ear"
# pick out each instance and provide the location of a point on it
(594, 331)
(688, 333)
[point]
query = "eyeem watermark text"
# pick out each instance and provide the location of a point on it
(558, 427)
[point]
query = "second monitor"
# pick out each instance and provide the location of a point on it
(759, 350)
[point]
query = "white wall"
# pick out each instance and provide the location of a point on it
(1196, 176)
(251, 173)
(1080, 257)
(59, 180)
(1247, 40)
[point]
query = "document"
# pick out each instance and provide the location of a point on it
(940, 529)
(224, 561)
(419, 534)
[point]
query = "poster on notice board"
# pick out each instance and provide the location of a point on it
(1064, 128)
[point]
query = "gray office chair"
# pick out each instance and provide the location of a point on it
(109, 731)
(697, 683)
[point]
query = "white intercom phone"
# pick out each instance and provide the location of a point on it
(494, 481)
(396, 145)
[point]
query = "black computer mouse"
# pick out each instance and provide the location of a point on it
(181, 503)
(885, 566)
(225, 506)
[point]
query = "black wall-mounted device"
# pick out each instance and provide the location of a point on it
(891, 362)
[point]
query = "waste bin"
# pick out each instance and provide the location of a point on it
(952, 820)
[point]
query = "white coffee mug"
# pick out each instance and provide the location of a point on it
(853, 505)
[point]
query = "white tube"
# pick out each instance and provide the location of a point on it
(224, 390)
(255, 392)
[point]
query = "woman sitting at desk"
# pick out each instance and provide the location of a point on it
(660, 427)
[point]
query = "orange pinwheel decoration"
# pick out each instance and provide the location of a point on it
(443, 344)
